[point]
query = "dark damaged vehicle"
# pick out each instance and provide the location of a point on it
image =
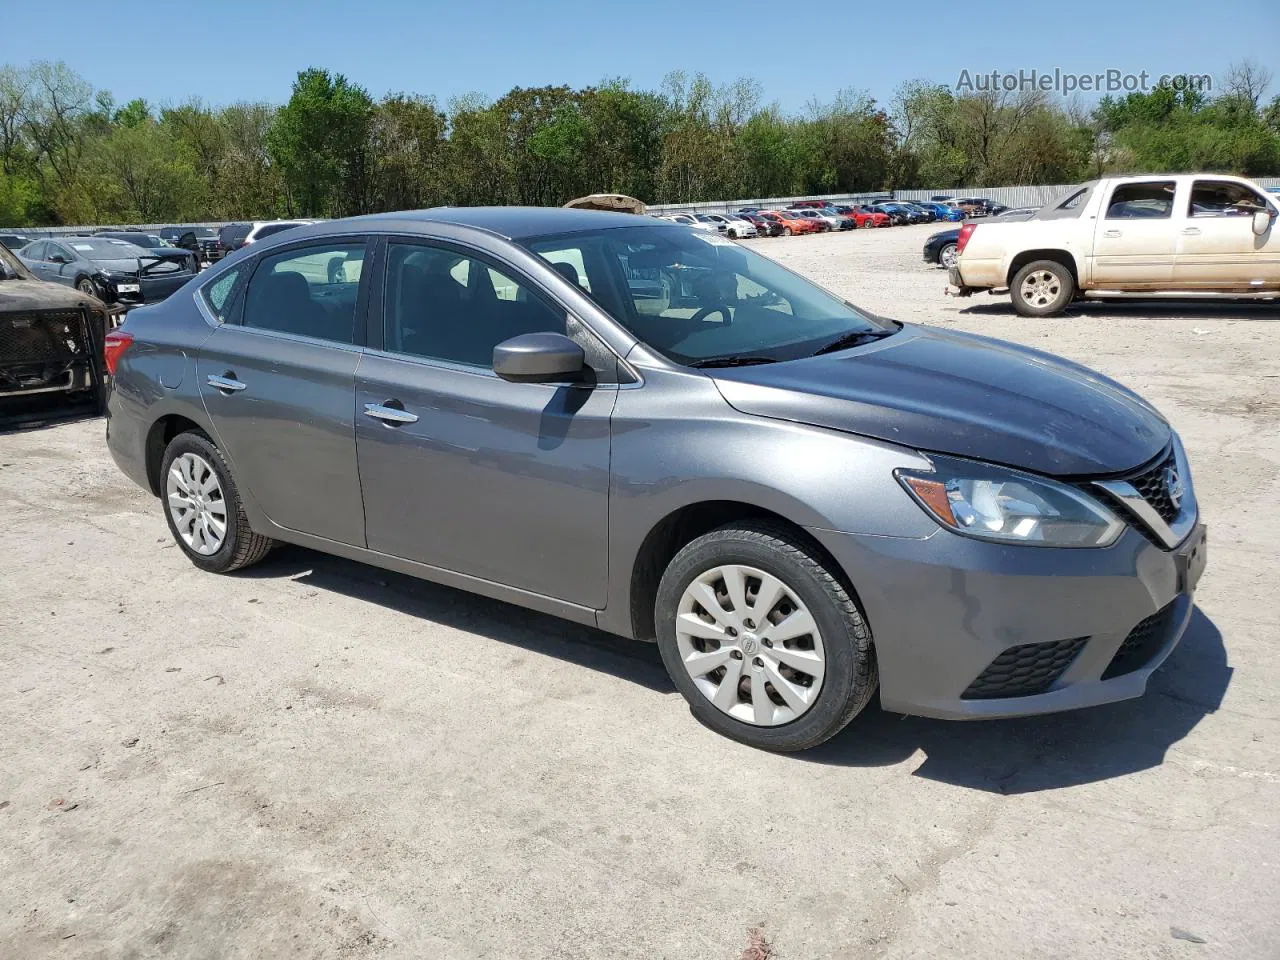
(111, 270)
(51, 348)
(156, 247)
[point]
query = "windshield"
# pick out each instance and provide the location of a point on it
(99, 248)
(696, 296)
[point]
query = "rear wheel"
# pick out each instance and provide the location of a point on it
(203, 507)
(1042, 288)
(763, 641)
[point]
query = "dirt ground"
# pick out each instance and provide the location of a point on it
(320, 759)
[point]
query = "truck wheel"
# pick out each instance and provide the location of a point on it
(1042, 288)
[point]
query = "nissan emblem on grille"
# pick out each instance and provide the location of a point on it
(1173, 486)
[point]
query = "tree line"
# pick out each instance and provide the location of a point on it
(70, 154)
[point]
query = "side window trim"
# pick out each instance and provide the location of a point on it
(254, 263)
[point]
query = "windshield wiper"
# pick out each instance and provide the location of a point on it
(852, 339)
(731, 362)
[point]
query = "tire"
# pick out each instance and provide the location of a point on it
(240, 547)
(1042, 288)
(786, 231)
(88, 287)
(947, 255)
(840, 645)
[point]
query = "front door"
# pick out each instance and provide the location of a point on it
(1135, 240)
(278, 382)
(1218, 249)
(507, 482)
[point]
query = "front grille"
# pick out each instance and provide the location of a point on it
(1143, 642)
(1024, 670)
(43, 336)
(1151, 484)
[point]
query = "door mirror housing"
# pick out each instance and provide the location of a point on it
(1261, 222)
(58, 258)
(538, 358)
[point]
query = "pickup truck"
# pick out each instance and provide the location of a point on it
(1180, 236)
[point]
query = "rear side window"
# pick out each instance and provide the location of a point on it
(307, 292)
(1151, 200)
(218, 294)
(233, 234)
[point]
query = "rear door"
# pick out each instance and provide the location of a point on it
(1135, 236)
(278, 382)
(1217, 248)
(462, 470)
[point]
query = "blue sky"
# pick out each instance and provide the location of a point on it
(228, 50)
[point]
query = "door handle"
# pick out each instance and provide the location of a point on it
(227, 383)
(1111, 233)
(1191, 232)
(390, 415)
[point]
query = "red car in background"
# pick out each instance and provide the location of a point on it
(865, 217)
(791, 224)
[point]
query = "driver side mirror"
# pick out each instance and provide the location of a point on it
(538, 358)
(58, 258)
(1261, 222)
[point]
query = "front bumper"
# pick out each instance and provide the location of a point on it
(943, 611)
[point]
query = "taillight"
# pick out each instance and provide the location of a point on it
(963, 240)
(113, 347)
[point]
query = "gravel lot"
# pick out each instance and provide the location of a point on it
(320, 759)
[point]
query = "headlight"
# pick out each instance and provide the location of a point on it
(996, 503)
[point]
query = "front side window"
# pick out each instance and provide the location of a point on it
(443, 304)
(1224, 198)
(307, 292)
(697, 297)
(218, 293)
(1151, 200)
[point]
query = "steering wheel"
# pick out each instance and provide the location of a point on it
(725, 318)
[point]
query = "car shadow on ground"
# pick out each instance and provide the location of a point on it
(1058, 750)
(1139, 309)
(449, 607)
(1000, 756)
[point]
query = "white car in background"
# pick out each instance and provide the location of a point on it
(737, 229)
(687, 219)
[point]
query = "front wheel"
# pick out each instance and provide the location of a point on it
(87, 287)
(762, 639)
(1042, 288)
(203, 507)
(786, 231)
(947, 255)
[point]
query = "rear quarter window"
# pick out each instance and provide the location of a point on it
(217, 294)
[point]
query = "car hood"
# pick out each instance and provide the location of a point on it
(961, 394)
(22, 295)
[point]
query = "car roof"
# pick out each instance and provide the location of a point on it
(513, 223)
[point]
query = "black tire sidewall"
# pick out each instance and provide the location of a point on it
(830, 713)
(1065, 295)
(222, 560)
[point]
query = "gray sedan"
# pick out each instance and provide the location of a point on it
(655, 431)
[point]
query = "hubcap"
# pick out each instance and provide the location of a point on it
(196, 503)
(750, 645)
(1040, 288)
(949, 255)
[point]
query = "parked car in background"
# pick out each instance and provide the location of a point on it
(861, 218)
(797, 501)
(235, 236)
(940, 210)
(825, 224)
(1167, 235)
(941, 247)
(875, 218)
(737, 229)
(898, 215)
(51, 347)
(791, 222)
(689, 220)
(923, 214)
(202, 241)
(764, 226)
(155, 246)
(15, 241)
(111, 270)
